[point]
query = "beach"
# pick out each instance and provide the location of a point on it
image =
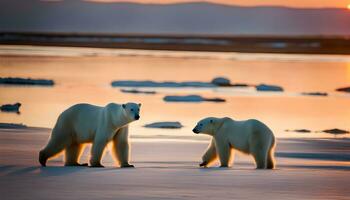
(168, 169)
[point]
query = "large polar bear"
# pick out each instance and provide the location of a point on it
(250, 137)
(85, 123)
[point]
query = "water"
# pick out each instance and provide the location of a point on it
(85, 74)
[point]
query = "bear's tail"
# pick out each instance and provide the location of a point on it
(270, 155)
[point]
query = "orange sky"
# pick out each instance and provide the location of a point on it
(289, 3)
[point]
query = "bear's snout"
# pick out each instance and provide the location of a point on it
(195, 131)
(137, 117)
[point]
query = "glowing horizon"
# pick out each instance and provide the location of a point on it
(290, 3)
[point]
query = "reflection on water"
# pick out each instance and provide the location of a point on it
(87, 79)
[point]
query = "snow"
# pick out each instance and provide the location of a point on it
(168, 169)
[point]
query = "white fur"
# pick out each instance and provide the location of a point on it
(250, 136)
(85, 123)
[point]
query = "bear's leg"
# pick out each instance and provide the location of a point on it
(224, 151)
(270, 161)
(72, 155)
(210, 155)
(121, 146)
(55, 146)
(260, 158)
(97, 149)
(270, 155)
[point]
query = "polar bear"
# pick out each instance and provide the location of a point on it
(85, 123)
(249, 136)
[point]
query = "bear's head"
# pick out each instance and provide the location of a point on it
(206, 126)
(132, 111)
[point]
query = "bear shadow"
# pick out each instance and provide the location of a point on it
(22, 171)
(5, 168)
(45, 171)
(60, 170)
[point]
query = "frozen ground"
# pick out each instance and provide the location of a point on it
(165, 169)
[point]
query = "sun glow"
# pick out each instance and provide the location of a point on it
(348, 7)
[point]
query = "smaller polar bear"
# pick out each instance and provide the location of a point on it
(85, 123)
(250, 137)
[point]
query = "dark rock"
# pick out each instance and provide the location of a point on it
(191, 98)
(133, 91)
(170, 84)
(11, 107)
(344, 89)
(299, 130)
(217, 82)
(167, 125)
(239, 85)
(265, 87)
(315, 93)
(215, 99)
(221, 81)
(335, 131)
(26, 81)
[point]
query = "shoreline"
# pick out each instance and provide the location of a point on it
(46, 52)
(192, 43)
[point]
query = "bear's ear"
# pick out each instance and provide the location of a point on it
(123, 105)
(139, 105)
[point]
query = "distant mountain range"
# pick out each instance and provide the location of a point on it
(75, 16)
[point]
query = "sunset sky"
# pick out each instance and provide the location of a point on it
(289, 3)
